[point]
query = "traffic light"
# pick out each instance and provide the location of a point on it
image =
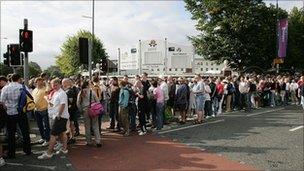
(26, 40)
(6, 59)
(104, 65)
(83, 51)
(14, 55)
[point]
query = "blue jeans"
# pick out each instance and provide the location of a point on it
(159, 115)
(43, 123)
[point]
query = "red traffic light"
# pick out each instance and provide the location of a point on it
(26, 35)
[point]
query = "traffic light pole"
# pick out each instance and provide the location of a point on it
(25, 68)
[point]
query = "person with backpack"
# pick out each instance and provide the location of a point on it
(123, 108)
(41, 113)
(84, 100)
(10, 96)
(131, 106)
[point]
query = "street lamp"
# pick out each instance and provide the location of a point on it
(92, 42)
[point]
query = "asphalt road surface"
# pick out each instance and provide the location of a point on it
(267, 139)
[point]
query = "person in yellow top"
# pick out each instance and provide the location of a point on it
(39, 94)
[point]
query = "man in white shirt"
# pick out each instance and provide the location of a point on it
(244, 89)
(58, 111)
(164, 87)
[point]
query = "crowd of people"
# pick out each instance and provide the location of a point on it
(133, 104)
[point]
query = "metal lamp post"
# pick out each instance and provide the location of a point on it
(92, 42)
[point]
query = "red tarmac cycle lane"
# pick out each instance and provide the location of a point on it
(149, 152)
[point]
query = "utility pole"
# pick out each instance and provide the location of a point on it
(92, 43)
(277, 33)
(25, 69)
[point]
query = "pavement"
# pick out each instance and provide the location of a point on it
(265, 139)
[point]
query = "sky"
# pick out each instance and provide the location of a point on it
(117, 23)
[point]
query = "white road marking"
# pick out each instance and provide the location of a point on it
(269, 111)
(15, 164)
(32, 165)
(296, 128)
(44, 167)
(187, 127)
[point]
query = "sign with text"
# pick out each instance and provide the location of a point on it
(282, 37)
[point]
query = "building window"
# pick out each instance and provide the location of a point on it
(164, 69)
(206, 69)
(175, 69)
(217, 69)
(182, 69)
(206, 63)
(151, 69)
(157, 69)
(202, 69)
(211, 63)
(169, 69)
(211, 68)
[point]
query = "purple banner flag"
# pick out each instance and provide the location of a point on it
(282, 37)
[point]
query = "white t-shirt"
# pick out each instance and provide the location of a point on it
(164, 87)
(58, 98)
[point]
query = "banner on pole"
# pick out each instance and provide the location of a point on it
(282, 37)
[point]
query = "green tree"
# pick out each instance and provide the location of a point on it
(242, 32)
(34, 69)
(295, 48)
(68, 59)
(53, 71)
(5, 70)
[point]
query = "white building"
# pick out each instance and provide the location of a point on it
(160, 57)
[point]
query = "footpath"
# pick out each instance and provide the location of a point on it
(150, 152)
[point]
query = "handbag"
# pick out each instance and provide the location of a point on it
(95, 108)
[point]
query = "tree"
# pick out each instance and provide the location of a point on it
(242, 32)
(68, 59)
(54, 71)
(295, 48)
(34, 69)
(5, 70)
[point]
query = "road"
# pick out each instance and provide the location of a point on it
(263, 139)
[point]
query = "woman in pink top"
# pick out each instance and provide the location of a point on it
(160, 103)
